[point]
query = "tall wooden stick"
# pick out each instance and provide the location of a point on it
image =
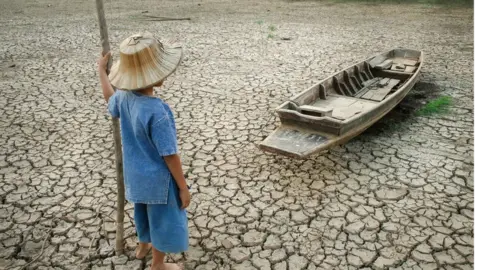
(119, 246)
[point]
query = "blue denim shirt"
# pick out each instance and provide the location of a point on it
(148, 133)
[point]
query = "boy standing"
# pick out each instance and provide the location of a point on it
(154, 180)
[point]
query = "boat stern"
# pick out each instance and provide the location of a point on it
(293, 142)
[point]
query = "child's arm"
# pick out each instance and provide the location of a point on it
(104, 81)
(174, 164)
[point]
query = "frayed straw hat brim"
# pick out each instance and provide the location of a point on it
(144, 64)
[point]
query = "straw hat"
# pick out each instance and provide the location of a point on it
(144, 62)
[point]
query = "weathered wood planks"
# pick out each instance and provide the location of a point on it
(385, 64)
(323, 111)
(357, 96)
(410, 69)
(378, 94)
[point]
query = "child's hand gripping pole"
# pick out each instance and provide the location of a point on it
(103, 66)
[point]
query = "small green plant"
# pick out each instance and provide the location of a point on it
(271, 29)
(438, 105)
(259, 22)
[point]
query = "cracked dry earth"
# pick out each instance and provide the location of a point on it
(400, 196)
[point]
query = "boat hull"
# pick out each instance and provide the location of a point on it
(300, 139)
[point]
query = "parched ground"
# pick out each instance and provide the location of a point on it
(400, 196)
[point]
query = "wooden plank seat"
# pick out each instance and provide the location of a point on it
(404, 65)
(398, 67)
(385, 64)
(346, 112)
(366, 86)
(383, 82)
(396, 64)
(377, 60)
(320, 111)
(378, 94)
(410, 69)
(406, 62)
(336, 106)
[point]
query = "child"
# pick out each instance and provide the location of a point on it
(154, 180)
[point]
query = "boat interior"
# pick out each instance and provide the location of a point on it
(358, 88)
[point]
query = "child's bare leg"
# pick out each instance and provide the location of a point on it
(143, 230)
(158, 262)
(142, 250)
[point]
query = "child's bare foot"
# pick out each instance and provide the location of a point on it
(142, 250)
(166, 266)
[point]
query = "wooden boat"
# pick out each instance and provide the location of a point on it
(342, 106)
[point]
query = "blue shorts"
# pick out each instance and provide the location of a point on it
(163, 225)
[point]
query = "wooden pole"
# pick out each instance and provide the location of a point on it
(119, 246)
